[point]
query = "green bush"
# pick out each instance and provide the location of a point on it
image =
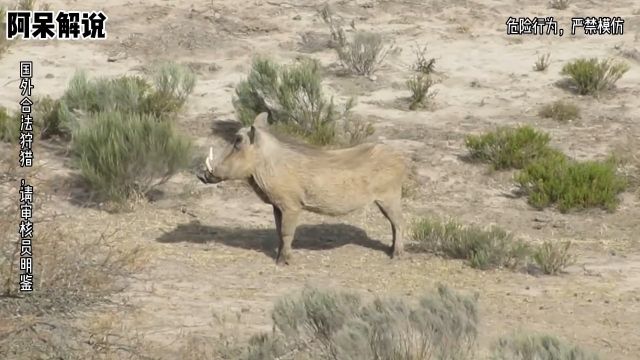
(556, 179)
(121, 154)
(560, 111)
(508, 147)
(421, 93)
(553, 257)
(294, 98)
(482, 248)
(523, 346)
(321, 324)
(162, 96)
(364, 53)
(593, 76)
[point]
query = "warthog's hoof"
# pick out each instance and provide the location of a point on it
(282, 260)
(396, 252)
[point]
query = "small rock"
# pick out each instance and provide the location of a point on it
(373, 77)
(297, 17)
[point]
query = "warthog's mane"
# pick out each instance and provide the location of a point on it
(343, 157)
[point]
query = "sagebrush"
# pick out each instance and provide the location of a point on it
(593, 76)
(531, 346)
(483, 248)
(122, 154)
(294, 98)
(325, 324)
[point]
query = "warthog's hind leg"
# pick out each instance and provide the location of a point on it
(391, 208)
(286, 230)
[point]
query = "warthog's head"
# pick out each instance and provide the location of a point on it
(238, 162)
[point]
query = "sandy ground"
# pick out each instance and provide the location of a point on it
(210, 246)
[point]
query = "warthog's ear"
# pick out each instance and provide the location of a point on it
(262, 120)
(254, 134)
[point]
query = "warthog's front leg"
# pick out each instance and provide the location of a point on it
(287, 229)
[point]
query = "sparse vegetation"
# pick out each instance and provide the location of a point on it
(482, 248)
(560, 111)
(559, 4)
(508, 147)
(121, 154)
(420, 86)
(422, 64)
(364, 53)
(553, 257)
(556, 179)
(322, 324)
(542, 63)
(525, 346)
(70, 271)
(593, 76)
(294, 98)
(338, 36)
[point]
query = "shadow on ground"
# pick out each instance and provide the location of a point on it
(310, 237)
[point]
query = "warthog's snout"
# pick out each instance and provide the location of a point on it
(207, 177)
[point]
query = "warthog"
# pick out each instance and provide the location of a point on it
(293, 177)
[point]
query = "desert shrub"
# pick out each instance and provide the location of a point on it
(162, 96)
(294, 98)
(556, 179)
(324, 324)
(553, 257)
(482, 248)
(593, 76)
(364, 53)
(422, 64)
(524, 346)
(122, 154)
(508, 147)
(542, 63)
(421, 91)
(559, 4)
(71, 271)
(9, 126)
(560, 111)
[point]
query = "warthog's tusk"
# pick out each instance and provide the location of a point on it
(208, 161)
